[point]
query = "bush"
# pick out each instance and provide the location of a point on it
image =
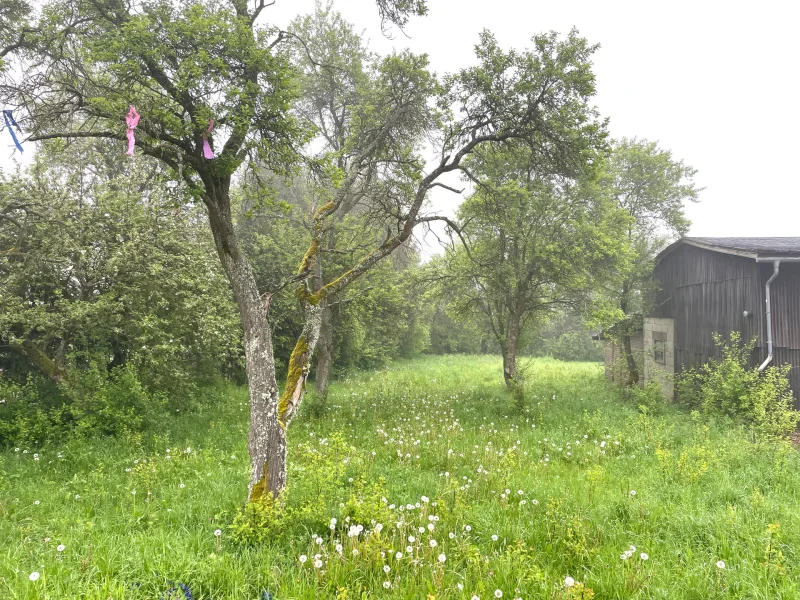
(31, 412)
(91, 401)
(649, 399)
(730, 389)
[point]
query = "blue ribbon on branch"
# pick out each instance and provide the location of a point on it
(9, 119)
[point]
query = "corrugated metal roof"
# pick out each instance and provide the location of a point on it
(759, 245)
(751, 247)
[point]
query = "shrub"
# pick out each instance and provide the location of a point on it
(649, 399)
(729, 388)
(92, 401)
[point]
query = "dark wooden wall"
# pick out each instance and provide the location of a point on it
(707, 292)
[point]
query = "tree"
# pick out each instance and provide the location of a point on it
(337, 72)
(537, 98)
(183, 65)
(652, 188)
(536, 237)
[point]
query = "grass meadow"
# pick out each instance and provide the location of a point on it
(420, 480)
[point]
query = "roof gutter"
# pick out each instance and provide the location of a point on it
(776, 263)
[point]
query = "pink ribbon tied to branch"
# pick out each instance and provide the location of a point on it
(132, 119)
(207, 152)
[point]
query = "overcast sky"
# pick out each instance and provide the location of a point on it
(715, 82)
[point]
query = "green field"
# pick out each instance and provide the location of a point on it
(517, 501)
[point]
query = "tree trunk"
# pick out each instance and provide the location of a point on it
(267, 438)
(633, 369)
(324, 354)
(510, 356)
(300, 363)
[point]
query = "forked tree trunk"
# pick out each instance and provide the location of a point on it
(324, 353)
(267, 438)
(633, 369)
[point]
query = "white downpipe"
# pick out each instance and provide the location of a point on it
(776, 266)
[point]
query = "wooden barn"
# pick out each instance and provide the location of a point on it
(708, 285)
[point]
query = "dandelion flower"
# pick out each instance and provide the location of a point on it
(632, 492)
(34, 576)
(494, 537)
(61, 547)
(433, 543)
(498, 593)
(217, 532)
(318, 564)
(386, 585)
(399, 555)
(303, 558)
(720, 564)
(569, 581)
(643, 556)
(442, 557)
(386, 568)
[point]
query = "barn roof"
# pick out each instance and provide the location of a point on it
(750, 247)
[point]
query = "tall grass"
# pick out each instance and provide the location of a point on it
(543, 498)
